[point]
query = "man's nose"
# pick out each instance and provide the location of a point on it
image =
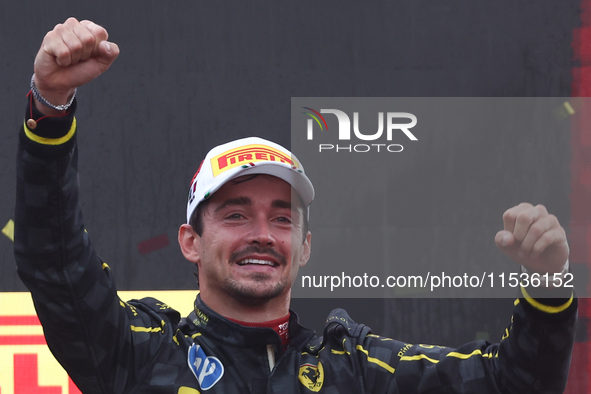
(261, 233)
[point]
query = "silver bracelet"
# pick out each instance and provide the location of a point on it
(43, 101)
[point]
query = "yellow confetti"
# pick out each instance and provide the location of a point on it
(8, 230)
(569, 108)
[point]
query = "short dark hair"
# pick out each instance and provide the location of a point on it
(196, 220)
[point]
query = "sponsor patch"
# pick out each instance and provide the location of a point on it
(312, 376)
(207, 369)
(245, 155)
(202, 318)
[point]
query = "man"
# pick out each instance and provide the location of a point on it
(247, 233)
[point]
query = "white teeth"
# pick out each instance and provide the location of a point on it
(255, 261)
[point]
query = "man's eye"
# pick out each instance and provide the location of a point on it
(235, 216)
(284, 219)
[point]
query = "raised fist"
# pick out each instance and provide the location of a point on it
(72, 54)
(533, 238)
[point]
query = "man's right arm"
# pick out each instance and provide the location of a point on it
(87, 327)
(54, 257)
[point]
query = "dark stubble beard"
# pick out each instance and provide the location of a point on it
(251, 295)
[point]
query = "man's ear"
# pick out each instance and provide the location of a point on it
(189, 242)
(306, 249)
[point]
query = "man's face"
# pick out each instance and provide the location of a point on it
(245, 251)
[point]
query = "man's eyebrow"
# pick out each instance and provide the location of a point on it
(281, 204)
(285, 204)
(234, 201)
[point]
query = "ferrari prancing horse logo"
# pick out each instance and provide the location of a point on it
(312, 376)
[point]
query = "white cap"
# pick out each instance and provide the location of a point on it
(247, 156)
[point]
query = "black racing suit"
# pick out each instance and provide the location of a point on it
(143, 346)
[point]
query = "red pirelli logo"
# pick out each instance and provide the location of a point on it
(249, 154)
(26, 364)
(24, 352)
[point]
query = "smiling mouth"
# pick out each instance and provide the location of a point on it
(254, 255)
(256, 262)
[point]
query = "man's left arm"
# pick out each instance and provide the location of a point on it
(535, 350)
